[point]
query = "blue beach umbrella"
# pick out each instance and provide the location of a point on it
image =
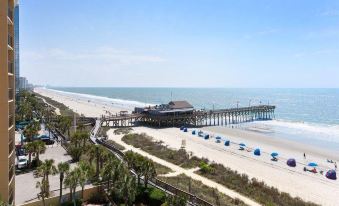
(185, 130)
(313, 164)
(218, 137)
(227, 143)
(257, 152)
(274, 154)
(193, 132)
(242, 145)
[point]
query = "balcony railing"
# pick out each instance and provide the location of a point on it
(10, 41)
(10, 147)
(10, 120)
(10, 13)
(10, 67)
(10, 172)
(10, 94)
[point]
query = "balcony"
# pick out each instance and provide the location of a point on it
(10, 94)
(10, 147)
(10, 41)
(10, 67)
(10, 121)
(10, 14)
(10, 172)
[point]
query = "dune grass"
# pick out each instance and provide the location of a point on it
(177, 157)
(257, 190)
(202, 191)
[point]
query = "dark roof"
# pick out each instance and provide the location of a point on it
(179, 105)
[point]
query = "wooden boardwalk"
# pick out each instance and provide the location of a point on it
(198, 118)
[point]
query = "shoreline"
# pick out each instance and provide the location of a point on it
(306, 185)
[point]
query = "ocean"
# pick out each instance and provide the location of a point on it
(309, 116)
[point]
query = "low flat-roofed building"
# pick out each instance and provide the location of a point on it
(172, 108)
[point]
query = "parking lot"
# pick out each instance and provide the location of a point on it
(25, 189)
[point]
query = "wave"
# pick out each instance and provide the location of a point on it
(329, 133)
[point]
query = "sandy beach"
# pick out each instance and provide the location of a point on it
(82, 104)
(308, 186)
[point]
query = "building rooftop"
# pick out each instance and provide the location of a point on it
(180, 105)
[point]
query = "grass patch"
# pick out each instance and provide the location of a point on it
(116, 145)
(202, 191)
(103, 131)
(123, 131)
(161, 169)
(64, 110)
(252, 188)
(177, 157)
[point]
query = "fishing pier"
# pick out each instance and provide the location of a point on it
(181, 113)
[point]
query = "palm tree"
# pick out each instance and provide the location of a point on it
(31, 131)
(45, 169)
(135, 162)
(38, 147)
(104, 155)
(29, 147)
(92, 152)
(84, 136)
(71, 181)
(128, 189)
(75, 139)
(84, 172)
(148, 171)
(81, 127)
(49, 126)
(43, 192)
(63, 167)
(109, 171)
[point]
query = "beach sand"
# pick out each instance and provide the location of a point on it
(82, 104)
(308, 186)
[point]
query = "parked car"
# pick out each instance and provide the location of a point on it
(22, 162)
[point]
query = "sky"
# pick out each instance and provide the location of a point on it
(180, 43)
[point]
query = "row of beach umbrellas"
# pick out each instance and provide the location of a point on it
(331, 174)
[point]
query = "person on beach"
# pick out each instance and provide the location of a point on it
(304, 155)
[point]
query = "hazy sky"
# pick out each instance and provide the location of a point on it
(173, 43)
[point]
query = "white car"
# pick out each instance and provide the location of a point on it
(22, 162)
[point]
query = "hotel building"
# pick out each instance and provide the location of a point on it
(7, 104)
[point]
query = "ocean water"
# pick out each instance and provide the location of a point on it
(306, 115)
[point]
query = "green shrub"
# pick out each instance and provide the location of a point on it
(156, 197)
(205, 168)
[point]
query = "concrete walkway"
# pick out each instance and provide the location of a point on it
(179, 170)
